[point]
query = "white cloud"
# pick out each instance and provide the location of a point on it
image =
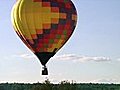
(26, 56)
(106, 80)
(118, 59)
(67, 57)
(81, 58)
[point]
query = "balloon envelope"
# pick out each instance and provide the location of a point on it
(44, 25)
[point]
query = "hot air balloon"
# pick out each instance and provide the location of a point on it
(44, 26)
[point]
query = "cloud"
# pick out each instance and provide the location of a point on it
(118, 59)
(26, 56)
(81, 58)
(67, 57)
(106, 80)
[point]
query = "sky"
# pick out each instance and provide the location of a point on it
(92, 54)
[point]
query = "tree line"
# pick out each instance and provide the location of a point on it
(63, 85)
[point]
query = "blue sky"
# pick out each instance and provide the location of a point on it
(91, 55)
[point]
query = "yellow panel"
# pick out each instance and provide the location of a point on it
(63, 15)
(22, 17)
(53, 47)
(15, 24)
(54, 15)
(46, 18)
(16, 19)
(74, 17)
(17, 29)
(50, 49)
(30, 17)
(46, 9)
(13, 18)
(37, 15)
(59, 43)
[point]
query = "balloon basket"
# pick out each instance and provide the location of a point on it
(44, 71)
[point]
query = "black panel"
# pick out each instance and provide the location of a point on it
(45, 1)
(44, 56)
(63, 10)
(54, 4)
(54, 26)
(69, 16)
(40, 36)
(46, 31)
(62, 21)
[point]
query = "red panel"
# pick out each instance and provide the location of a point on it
(52, 36)
(39, 31)
(40, 41)
(54, 20)
(61, 4)
(60, 32)
(46, 4)
(46, 26)
(40, 45)
(37, 50)
(45, 49)
(62, 36)
(46, 36)
(68, 5)
(53, 31)
(46, 41)
(69, 32)
(60, 0)
(37, 0)
(50, 45)
(60, 27)
(56, 40)
(34, 36)
(67, 26)
(54, 9)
